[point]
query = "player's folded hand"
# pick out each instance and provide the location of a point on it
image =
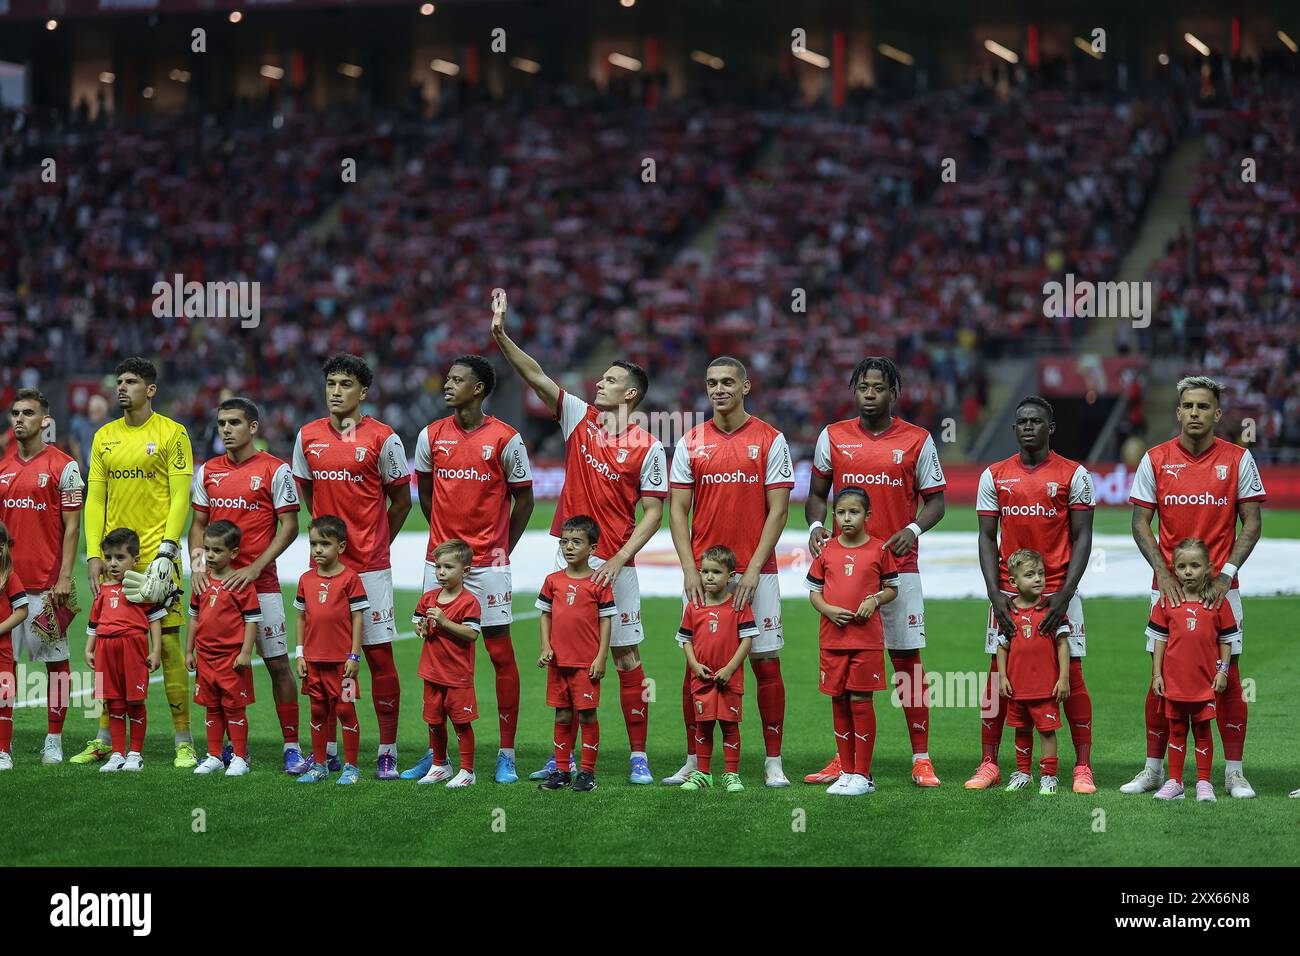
(152, 663)
(1004, 686)
(243, 661)
(190, 661)
(1062, 690)
(301, 665)
(1158, 686)
(547, 655)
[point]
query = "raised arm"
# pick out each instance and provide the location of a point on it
(523, 363)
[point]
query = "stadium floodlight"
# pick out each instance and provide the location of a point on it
(51, 24)
(528, 66)
(1163, 59)
(350, 69)
(997, 49)
(180, 76)
(235, 16)
(107, 77)
(816, 59)
(624, 61)
(1086, 47)
(426, 9)
(895, 54)
(147, 92)
(707, 59)
(445, 67)
(627, 3)
(272, 72)
(1286, 40)
(1196, 44)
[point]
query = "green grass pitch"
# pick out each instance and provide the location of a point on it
(73, 815)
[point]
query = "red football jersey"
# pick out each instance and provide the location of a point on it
(715, 631)
(606, 475)
(1032, 664)
(33, 496)
(729, 476)
(845, 577)
(112, 615)
(329, 603)
(576, 606)
(473, 473)
(1193, 633)
(1033, 507)
(252, 494)
(1196, 497)
(349, 477)
(446, 659)
(12, 596)
(219, 618)
(895, 468)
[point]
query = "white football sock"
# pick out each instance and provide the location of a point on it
(332, 748)
(638, 753)
(1232, 766)
(183, 737)
(388, 749)
(508, 751)
(1155, 763)
(923, 755)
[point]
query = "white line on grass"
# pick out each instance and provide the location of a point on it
(257, 661)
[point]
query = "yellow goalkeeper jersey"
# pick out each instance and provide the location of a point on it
(139, 478)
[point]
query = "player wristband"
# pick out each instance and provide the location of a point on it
(915, 529)
(355, 658)
(169, 550)
(1230, 570)
(1221, 667)
(816, 526)
(297, 653)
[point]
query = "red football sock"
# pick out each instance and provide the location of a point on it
(909, 679)
(730, 745)
(1024, 749)
(590, 745)
(704, 745)
(237, 726)
(1047, 766)
(635, 710)
(6, 725)
(136, 717)
(565, 736)
(215, 722)
(993, 714)
(502, 652)
(322, 723)
(864, 734)
(465, 742)
(1204, 739)
(58, 688)
(117, 725)
(288, 716)
(1177, 747)
(688, 714)
(387, 691)
(438, 743)
(1078, 713)
(1231, 715)
(346, 712)
(771, 702)
(1157, 725)
(843, 732)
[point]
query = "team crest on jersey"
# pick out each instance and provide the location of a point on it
(898, 456)
(113, 600)
(622, 455)
(1191, 623)
(1052, 486)
(713, 622)
(573, 593)
(848, 565)
(1221, 471)
(487, 452)
(361, 453)
(42, 480)
(255, 482)
(753, 453)
(150, 448)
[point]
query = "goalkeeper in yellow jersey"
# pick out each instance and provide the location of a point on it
(139, 478)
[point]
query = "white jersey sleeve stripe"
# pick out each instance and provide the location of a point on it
(572, 410)
(1144, 482)
(929, 472)
(199, 493)
(392, 461)
(423, 453)
(822, 453)
(780, 471)
(514, 462)
(682, 472)
(1081, 493)
(986, 499)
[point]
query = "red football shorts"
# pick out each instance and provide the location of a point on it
(1042, 714)
(325, 681)
(121, 668)
(571, 687)
(442, 703)
(858, 670)
(8, 683)
(1194, 710)
(217, 683)
(713, 701)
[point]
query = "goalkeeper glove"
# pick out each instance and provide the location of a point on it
(156, 585)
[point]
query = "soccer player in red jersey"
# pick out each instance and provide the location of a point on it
(896, 462)
(13, 611)
(577, 614)
(123, 646)
(612, 466)
(40, 503)
(350, 465)
(1199, 486)
(219, 648)
(853, 576)
(332, 604)
(731, 479)
(448, 619)
(257, 493)
(1190, 668)
(1041, 501)
(476, 486)
(1033, 665)
(716, 637)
